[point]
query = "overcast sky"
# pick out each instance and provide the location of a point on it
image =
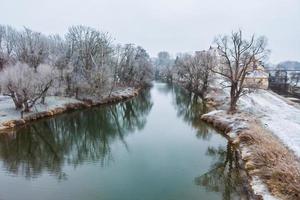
(170, 25)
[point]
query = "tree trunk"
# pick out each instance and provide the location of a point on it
(43, 99)
(233, 98)
(18, 105)
(76, 92)
(26, 107)
(22, 114)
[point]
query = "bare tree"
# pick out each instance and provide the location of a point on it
(207, 61)
(87, 62)
(164, 66)
(8, 39)
(239, 55)
(185, 70)
(32, 48)
(2, 54)
(89, 47)
(26, 86)
(195, 71)
(91, 54)
(59, 53)
(126, 65)
(294, 81)
(134, 66)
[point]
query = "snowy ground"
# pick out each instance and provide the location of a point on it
(260, 188)
(281, 118)
(278, 114)
(8, 112)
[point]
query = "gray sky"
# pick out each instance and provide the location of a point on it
(171, 25)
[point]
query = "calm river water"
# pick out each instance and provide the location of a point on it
(153, 147)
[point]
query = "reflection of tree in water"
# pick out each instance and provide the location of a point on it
(224, 174)
(72, 138)
(190, 107)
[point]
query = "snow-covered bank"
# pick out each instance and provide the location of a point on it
(8, 111)
(274, 172)
(10, 117)
(278, 115)
(267, 132)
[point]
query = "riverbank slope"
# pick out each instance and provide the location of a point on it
(267, 132)
(10, 117)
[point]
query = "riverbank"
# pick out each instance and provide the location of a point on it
(266, 160)
(10, 117)
(266, 132)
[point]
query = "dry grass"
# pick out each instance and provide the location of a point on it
(270, 160)
(266, 156)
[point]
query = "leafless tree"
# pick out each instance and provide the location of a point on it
(25, 85)
(294, 81)
(8, 39)
(88, 63)
(238, 57)
(195, 71)
(59, 53)
(91, 54)
(2, 55)
(134, 66)
(143, 70)
(32, 48)
(164, 66)
(126, 63)
(207, 61)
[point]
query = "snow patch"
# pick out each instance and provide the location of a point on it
(260, 189)
(8, 111)
(282, 119)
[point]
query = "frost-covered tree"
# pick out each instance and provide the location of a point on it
(89, 48)
(87, 62)
(143, 73)
(8, 41)
(195, 71)
(25, 85)
(60, 58)
(32, 48)
(127, 63)
(134, 66)
(91, 54)
(164, 66)
(238, 57)
(59, 53)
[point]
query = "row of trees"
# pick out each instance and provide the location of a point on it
(195, 71)
(230, 61)
(85, 64)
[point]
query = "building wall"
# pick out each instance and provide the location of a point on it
(262, 83)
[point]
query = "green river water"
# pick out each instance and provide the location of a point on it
(153, 147)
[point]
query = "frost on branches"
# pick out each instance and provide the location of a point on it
(25, 85)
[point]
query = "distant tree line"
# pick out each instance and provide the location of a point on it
(85, 64)
(285, 81)
(229, 63)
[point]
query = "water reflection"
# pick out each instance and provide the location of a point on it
(190, 107)
(72, 138)
(224, 173)
(164, 156)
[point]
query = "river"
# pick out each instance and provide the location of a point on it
(153, 147)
